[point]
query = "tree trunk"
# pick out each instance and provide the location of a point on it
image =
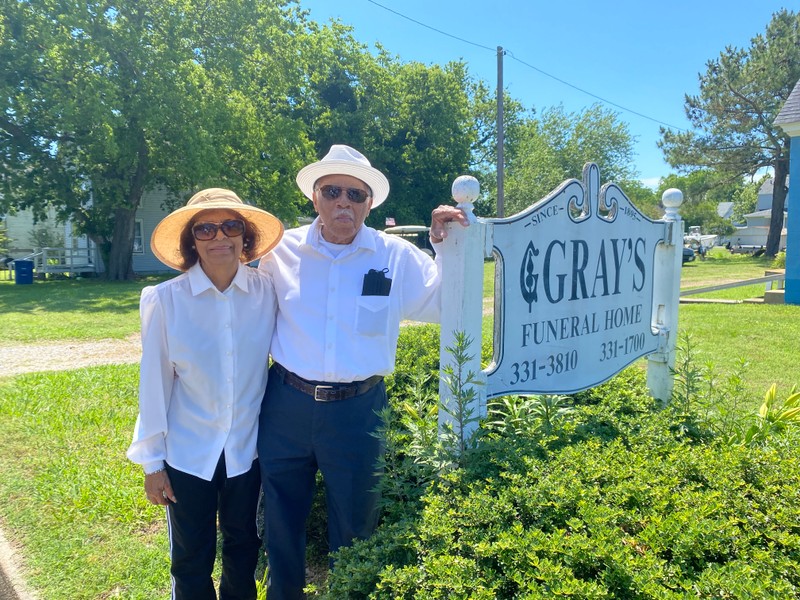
(119, 262)
(778, 204)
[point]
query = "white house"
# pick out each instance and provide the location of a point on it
(765, 195)
(73, 249)
(757, 229)
(725, 210)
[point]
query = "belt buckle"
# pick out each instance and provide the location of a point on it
(321, 388)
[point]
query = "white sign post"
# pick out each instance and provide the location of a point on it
(585, 284)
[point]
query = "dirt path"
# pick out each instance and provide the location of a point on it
(58, 356)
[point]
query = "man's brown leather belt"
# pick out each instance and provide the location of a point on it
(326, 392)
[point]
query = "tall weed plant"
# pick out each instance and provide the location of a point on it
(780, 260)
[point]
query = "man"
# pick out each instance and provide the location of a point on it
(342, 290)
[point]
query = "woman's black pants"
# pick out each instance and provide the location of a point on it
(192, 523)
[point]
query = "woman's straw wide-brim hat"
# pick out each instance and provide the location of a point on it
(344, 160)
(165, 242)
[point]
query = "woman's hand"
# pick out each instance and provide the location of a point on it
(158, 488)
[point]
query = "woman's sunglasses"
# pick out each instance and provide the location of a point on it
(332, 192)
(208, 231)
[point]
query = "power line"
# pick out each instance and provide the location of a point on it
(530, 66)
(575, 87)
(450, 35)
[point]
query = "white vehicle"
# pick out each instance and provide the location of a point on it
(415, 234)
(697, 240)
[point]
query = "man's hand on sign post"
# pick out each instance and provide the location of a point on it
(445, 214)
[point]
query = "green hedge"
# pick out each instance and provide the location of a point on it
(614, 499)
(596, 521)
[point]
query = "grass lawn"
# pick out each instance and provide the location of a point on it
(69, 494)
(763, 334)
(86, 309)
(720, 267)
(76, 504)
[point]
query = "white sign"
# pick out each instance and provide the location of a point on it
(574, 278)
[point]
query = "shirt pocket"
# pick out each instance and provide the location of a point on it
(372, 315)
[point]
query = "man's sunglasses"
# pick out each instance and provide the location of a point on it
(332, 192)
(208, 231)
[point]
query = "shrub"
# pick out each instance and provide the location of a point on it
(613, 520)
(417, 361)
(614, 500)
(604, 494)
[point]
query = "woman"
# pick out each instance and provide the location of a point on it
(205, 341)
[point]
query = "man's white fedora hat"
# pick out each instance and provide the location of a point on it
(344, 160)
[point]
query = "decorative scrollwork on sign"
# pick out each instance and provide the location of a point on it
(609, 204)
(579, 209)
(528, 280)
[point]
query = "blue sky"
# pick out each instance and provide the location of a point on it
(640, 55)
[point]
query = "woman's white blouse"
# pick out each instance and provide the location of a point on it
(203, 372)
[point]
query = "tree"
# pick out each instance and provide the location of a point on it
(4, 240)
(428, 140)
(643, 198)
(556, 145)
(412, 121)
(745, 200)
(703, 190)
(105, 101)
(741, 93)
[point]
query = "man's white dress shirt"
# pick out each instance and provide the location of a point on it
(203, 372)
(326, 330)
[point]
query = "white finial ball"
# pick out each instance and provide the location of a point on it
(466, 189)
(672, 198)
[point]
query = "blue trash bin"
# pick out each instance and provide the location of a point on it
(23, 271)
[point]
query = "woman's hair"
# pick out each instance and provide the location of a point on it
(250, 241)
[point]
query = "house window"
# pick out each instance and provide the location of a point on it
(138, 246)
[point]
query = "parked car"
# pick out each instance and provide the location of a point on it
(416, 234)
(688, 255)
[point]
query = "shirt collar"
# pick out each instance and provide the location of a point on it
(199, 281)
(363, 239)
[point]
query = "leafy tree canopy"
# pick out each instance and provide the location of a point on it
(555, 146)
(643, 198)
(414, 122)
(703, 191)
(4, 239)
(732, 117)
(105, 102)
(745, 200)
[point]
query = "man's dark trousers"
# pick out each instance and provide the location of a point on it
(193, 534)
(298, 435)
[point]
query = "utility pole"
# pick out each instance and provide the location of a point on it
(500, 134)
